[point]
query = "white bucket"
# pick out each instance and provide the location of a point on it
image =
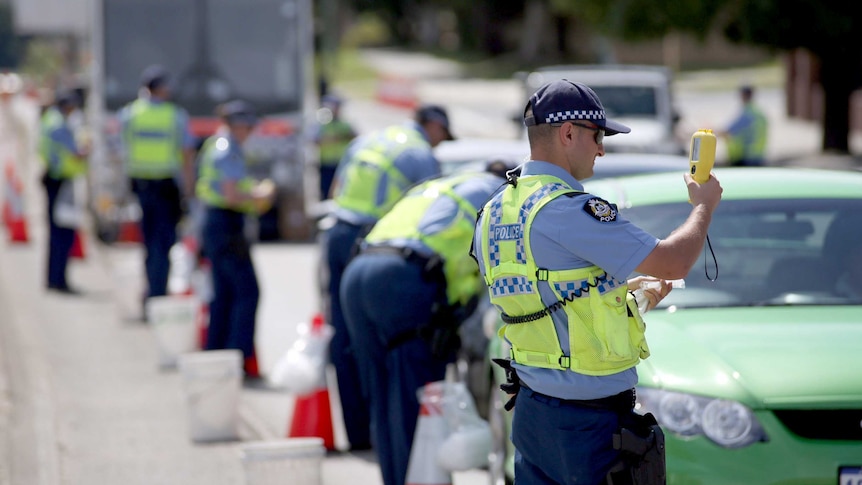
(212, 381)
(295, 460)
(174, 323)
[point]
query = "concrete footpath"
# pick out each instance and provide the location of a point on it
(82, 398)
(84, 401)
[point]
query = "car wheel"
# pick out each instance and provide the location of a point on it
(499, 439)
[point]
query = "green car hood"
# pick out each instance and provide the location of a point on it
(772, 357)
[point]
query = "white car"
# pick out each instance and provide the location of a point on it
(472, 154)
(638, 96)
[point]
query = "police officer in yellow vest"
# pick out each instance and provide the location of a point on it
(556, 262)
(333, 136)
(404, 297)
(159, 159)
(64, 161)
(228, 194)
(746, 134)
(374, 173)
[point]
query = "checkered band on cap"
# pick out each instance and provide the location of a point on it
(578, 114)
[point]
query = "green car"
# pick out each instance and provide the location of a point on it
(756, 367)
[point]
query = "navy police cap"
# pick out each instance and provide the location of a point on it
(154, 76)
(239, 111)
(565, 100)
(434, 112)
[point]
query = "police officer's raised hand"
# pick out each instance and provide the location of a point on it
(707, 193)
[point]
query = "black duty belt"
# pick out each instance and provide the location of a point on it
(621, 403)
(429, 263)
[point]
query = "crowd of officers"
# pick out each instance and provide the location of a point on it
(170, 177)
(410, 255)
(412, 252)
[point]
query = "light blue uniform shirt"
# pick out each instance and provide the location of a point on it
(565, 236)
(228, 161)
(444, 210)
(62, 135)
(415, 164)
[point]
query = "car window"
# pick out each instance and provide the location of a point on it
(634, 101)
(769, 252)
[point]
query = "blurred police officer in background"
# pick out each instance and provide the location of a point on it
(556, 261)
(333, 136)
(65, 160)
(228, 193)
(376, 171)
(746, 134)
(404, 297)
(159, 156)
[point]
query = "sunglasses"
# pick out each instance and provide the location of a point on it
(599, 137)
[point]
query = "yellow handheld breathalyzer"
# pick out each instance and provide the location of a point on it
(702, 155)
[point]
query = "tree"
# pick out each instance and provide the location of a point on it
(831, 30)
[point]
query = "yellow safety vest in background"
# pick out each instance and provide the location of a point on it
(751, 144)
(208, 186)
(68, 164)
(335, 136)
(154, 150)
(364, 173)
(452, 243)
(606, 331)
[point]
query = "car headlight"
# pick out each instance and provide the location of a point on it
(729, 424)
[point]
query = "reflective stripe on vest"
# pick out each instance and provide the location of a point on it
(151, 139)
(605, 330)
(451, 243)
(371, 170)
(60, 162)
(208, 186)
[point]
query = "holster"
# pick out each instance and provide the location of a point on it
(512, 384)
(640, 441)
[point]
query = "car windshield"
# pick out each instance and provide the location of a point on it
(628, 101)
(769, 252)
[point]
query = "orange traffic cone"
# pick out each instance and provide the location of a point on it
(203, 324)
(130, 232)
(13, 210)
(312, 414)
(431, 432)
(8, 174)
(77, 250)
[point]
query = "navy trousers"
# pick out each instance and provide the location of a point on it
(340, 241)
(233, 309)
(327, 175)
(383, 296)
(558, 443)
(160, 212)
(60, 239)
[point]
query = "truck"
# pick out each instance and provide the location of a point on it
(216, 50)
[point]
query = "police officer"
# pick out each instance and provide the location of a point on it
(556, 261)
(159, 157)
(404, 297)
(65, 160)
(374, 173)
(333, 136)
(746, 134)
(228, 194)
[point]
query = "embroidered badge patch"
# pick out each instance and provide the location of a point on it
(601, 210)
